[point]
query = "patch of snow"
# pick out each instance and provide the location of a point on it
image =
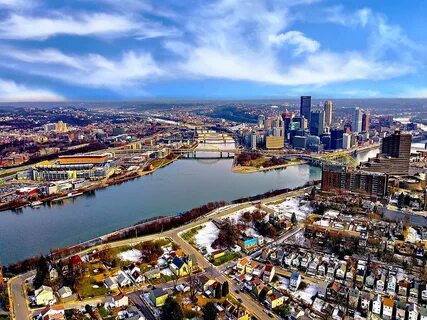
(331, 213)
(307, 293)
(295, 205)
(206, 236)
(167, 272)
(132, 255)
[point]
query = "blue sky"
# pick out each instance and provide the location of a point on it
(129, 49)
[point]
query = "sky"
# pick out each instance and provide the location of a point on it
(129, 50)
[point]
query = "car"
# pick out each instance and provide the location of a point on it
(236, 291)
(270, 315)
(240, 300)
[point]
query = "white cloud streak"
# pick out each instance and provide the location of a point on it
(10, 91)
(297, 39)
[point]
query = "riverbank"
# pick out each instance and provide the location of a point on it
(251, 169)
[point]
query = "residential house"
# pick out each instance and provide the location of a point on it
(275, 299)
(305, 261)
(423, 293)
(44, 296)
(241, 264)
(351, 273)
(369, 281)
(413, 312)
(117, 301)
(181, 267)
(388, 306)
(353, 300)
(53, 273)
(380, 285)
(321, 290)
(400, 310)
(294, 281)
(340, 272)
(248, 243)
(376, 305)
(321, 270)
(269, 272)
(52, 313)
(312, 267)
(123, 279)
(135, 275)
(365, 301)
(111, 283)
(423, 313)
(403, 288)
(250, 266)
(332, 291)
(413, 291)
(152, 274)
(391, 284)
(158, 296)
(258, 270)
(65, 292)
(217, 254)
(332, 266)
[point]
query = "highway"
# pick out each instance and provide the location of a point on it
(18, 299)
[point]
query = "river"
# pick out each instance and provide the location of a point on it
(178, 187)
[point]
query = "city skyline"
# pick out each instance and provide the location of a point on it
(135, 50)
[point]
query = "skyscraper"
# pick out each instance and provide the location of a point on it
(328, 107)
(337, 139)
(365, 122)
(317, 123)
(397, 145)
(305, 107)
(356, 125)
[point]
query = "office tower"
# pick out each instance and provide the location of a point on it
(117, 131)
(261, 119)
(346, 141)
(356, 125)
(299, 142)
(253, 140)
(337, 139)
(394, 157)
(340, 178)
(317, 123)
(305, 107)
(328, 108)
(326, 141)
(365, 122)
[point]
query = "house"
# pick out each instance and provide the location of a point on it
(312, 267)
(413, 312)
(353, 300)
(321, 290)
(376, 305)
(65, 292)
(413, 291)
(321, 270)
(135, 275)
(158, 296)
(241, 264)
(52, 313)
(380, 285)
(294, 281)
(111, 283)
(44, 296)
(181, 267)
(365, 301)
(369, 281)
(400, 310)
(403, 288)
(117, 301)
(258, 270)
(53, 273)
(423, 290)
(337, 314)
(275, 299)
(351, 273)
(269, 272)
(340, 273)
(388, 306)
(123, 279)
(152, 274)
(248, 243)
(391, 284)
(250, 266)
(217, 254)
(332, 290)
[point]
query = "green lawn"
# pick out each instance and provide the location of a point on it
(190, 234)
(87, 290)
(228, 256)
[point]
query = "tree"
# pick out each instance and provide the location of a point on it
(294, 218)
(171, 310)
(218, 292)
(225, 289)
(313, 193)
(42, 270)
(210, 311)
(400, 199)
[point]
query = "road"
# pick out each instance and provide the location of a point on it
(20, 308)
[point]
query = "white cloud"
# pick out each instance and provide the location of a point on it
(10, 91)
(98, 24)
(93, 70)
(296, 38)
(415, 93)
(16, 4)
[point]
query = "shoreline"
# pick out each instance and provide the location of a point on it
(249, 169)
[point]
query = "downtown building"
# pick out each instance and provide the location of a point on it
(305, 107)
(394, 157)
(337, 178)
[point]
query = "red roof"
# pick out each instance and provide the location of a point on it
(75, 260)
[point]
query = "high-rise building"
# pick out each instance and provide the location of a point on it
(328, 107)
(394, 157)
(261, 119)
(356, 125)
(337, 138)
(346, 141)
(365, 122)
(305, 107)
(317, 123)
(340, 178)
(253, 140)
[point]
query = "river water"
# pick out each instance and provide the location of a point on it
(178, 187)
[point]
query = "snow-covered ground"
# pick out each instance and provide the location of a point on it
(235, 217)
(206, 236)
(293, 205)
(132, 255)
(307, 293)
(167, 272)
